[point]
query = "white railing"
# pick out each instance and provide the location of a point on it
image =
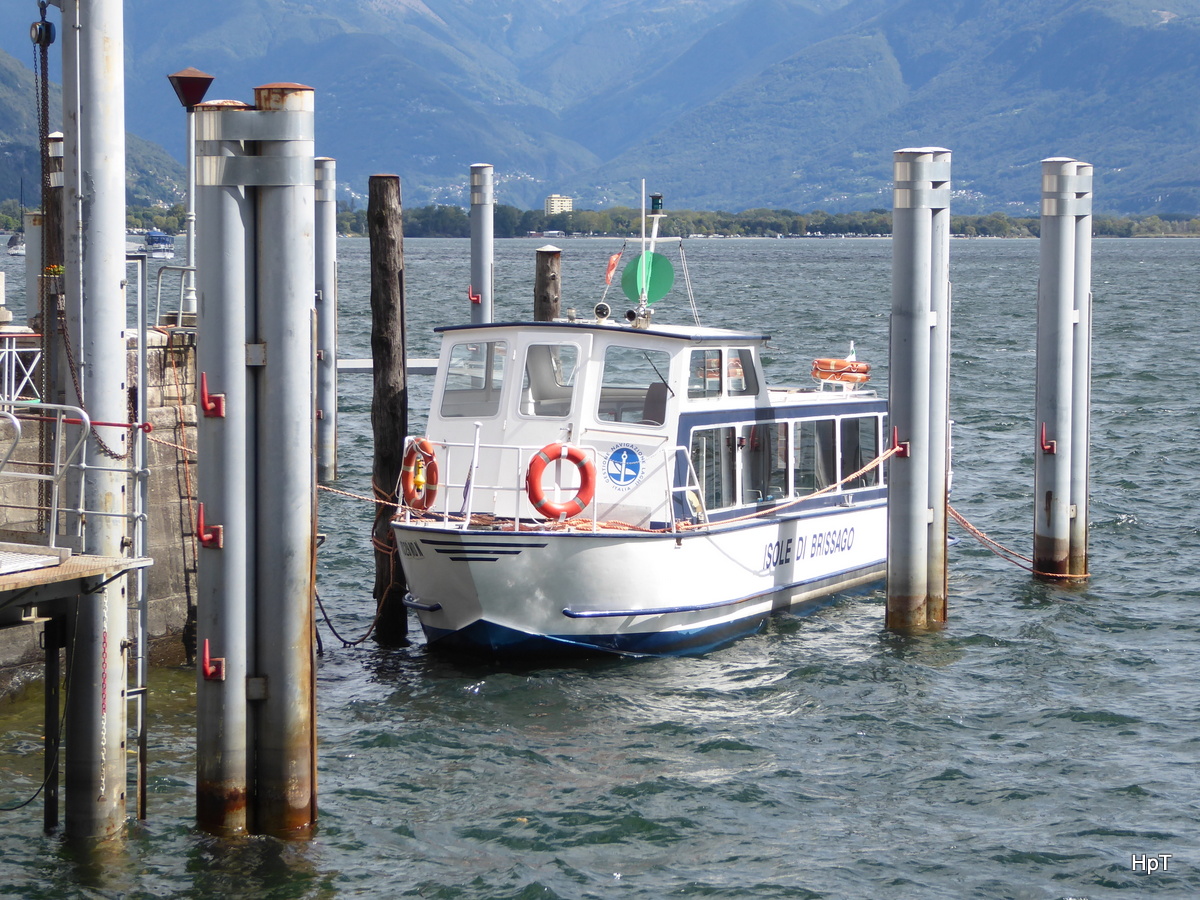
(502, 492)
(18, 365)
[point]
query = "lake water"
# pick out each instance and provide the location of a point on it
(1045, 744)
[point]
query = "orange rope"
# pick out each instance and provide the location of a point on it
(1006, 553)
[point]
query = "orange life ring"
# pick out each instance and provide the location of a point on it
(840, 366)
(537, 494)
(841, 377)
(419, 475)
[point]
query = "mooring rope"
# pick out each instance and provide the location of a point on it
(1007, 553)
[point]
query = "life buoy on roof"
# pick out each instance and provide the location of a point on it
(840, 366)
(842, 371)
(537, 494)
(419, 475)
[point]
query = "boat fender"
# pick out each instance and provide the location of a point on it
(537, 494)
(419, 475)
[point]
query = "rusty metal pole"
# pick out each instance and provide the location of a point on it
(285, 789)
(921, 192)
(1081, 402)
(1066, 201)
(94, 120)
(547, 284)
(483, 208)
(327, 319)
(225, 433)
(389, 399)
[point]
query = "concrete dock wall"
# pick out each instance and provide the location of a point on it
(171, 451)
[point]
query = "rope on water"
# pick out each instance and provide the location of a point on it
(1006, 553)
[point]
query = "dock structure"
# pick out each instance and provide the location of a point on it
(1063, 401)
(918, 389)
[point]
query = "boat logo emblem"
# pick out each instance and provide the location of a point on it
(623, 466)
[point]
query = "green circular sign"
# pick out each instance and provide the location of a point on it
(650, 273)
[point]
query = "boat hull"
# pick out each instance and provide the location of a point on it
(506, 593)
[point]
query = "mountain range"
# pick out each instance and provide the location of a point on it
(718, 104)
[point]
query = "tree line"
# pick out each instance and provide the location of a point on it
(620, 221)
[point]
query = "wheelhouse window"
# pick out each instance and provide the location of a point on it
(634, 387)
(713, 370)
(739, 370)
(548, 386)
(474, 379)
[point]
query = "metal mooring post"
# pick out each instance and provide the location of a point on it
(327, 318)
(94, 170)
(917, 390)
(285, 797)
(1063, 370)
(225, 281)
(482, 244)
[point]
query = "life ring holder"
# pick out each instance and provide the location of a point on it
(420, 456)
(537, 494)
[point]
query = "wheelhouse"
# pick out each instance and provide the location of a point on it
(677, 425)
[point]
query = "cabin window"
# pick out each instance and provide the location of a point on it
(713, 452)
(739, 370)
(474, 379)
(704, 373)
(764, 454)
(549, 383)
(710, 368)
(634, 388)
(859, 445)
(815, 458)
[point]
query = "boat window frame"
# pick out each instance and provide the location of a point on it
(527, 404)
(640, 403)
(491, 400)
(823, 428)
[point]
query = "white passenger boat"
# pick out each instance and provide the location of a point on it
(619, 486)
(159, 245)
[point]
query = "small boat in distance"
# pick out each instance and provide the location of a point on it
(611, 485)
(159, 245)
(16, 244)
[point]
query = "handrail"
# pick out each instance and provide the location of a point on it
(158, 288)
(65, 454)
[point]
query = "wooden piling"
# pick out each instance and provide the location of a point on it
(389, 400)
(547, 284)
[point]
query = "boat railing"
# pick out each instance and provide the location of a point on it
(478, 481)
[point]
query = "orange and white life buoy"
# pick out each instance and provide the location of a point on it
(537, 494)
(842, 371)
(419, 475)
(841, 366)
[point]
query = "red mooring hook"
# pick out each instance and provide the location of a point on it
(212, 404)
(212, 536)
(901, 448)
(1048, 447)
(212, 669)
